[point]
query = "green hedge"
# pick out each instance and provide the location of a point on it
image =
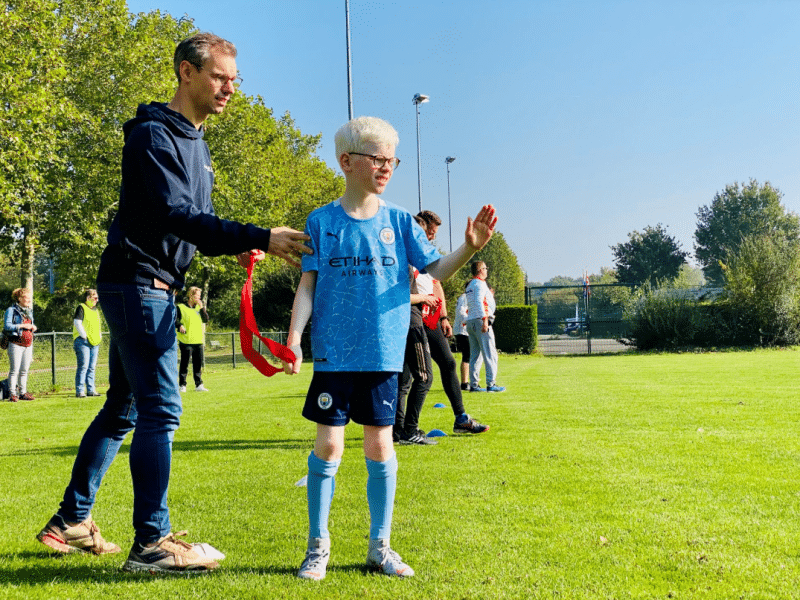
(515, 329)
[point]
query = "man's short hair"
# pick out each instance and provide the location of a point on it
(197, 50)
(476, 267)
(430, 217)
(354, 135)
(90, 293)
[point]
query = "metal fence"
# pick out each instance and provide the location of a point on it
(54, 361)
(574, 319)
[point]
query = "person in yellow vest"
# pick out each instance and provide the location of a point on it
(86, 337)
(190, 321)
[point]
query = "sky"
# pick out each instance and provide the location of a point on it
(580, 121)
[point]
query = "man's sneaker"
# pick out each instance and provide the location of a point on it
(416, 437)
(168, 555)
(383, 559)
(83, 537)
(200, 388)
(495, 388)
(182, 388)
(464, 387)
(315, 565)
(13, 398)
(476, 388)
(27, 396)
(469, 426)
(93, 394)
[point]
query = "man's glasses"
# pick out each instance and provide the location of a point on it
(379, 161)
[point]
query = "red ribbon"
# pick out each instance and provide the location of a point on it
(431, 317)
(248, 329)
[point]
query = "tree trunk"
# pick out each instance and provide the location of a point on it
(26, 265)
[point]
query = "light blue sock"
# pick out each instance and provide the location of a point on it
(381, 486)
(320, 486)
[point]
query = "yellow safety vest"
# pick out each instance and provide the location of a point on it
(193, 323)
(91, 324)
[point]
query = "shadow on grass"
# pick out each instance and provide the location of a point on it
(180, 446)
(46, 569)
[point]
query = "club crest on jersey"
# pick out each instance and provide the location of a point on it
(324, 401)
(387, 235)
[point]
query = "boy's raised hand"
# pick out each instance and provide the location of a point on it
(480, 230)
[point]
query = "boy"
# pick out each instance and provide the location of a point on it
(357, 289)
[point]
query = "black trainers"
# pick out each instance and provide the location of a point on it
(416, 437)
(169, 555)
(469, 426)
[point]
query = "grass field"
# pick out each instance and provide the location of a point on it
(652, 476)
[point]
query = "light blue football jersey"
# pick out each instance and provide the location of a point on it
(361, 301)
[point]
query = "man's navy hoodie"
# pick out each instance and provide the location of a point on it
(165, 212)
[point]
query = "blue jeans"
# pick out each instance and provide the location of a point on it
(87, 361)
(143, 395)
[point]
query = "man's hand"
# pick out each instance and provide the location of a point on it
(287, 243)
(182, 329)
(244, 258)
(480, 231)
(447, 328)
(294, 368)
(430, 300)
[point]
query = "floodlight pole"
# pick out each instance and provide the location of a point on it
(417, 100)
(447, 161)
(349, 74)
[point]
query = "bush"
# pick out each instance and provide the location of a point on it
(762, 283)
(515, 328)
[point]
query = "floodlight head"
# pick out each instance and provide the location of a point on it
(449, 159)
(420, 99)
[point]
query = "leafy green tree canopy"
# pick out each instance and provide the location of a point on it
(650, 255)
(738, 212)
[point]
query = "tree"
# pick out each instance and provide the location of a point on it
(506, 277)
(32, 112)
(736, 213)
(762, 285)
(651, 255)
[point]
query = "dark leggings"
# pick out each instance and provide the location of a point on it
(196, 352)
(415, 382)
(442, 356)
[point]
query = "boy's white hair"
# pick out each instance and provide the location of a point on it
(356, 133)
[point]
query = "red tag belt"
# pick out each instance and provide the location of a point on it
(248, 329)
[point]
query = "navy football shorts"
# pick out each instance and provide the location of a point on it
(368, 398)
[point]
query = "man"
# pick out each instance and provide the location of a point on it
(165, 214)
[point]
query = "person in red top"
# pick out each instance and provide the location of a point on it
(18, 326)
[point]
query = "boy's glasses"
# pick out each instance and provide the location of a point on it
(379, 161)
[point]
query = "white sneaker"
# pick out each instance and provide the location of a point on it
(315, 565)
(182, 388)
(383, 559)
(200, 388)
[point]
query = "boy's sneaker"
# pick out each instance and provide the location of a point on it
(495, 388)
(476, 388)
(416, 437)
(182, 388)
(200, 388)
(315, 565)
(168, 555)
(83, 537)
(383, 559)
(469, 426)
